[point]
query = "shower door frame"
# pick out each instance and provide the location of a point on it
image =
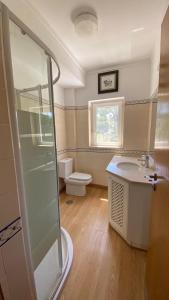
(7, 15)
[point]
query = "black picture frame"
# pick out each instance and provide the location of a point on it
(111, 82)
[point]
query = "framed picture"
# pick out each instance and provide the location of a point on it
(108, 82)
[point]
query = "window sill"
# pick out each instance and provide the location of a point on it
(161, 148)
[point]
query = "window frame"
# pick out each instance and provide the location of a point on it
(160, 144)
(92, 105)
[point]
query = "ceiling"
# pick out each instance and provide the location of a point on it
(115, 42)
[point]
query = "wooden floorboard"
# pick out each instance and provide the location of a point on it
(104, 266)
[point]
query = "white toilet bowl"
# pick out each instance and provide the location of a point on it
(75, 182)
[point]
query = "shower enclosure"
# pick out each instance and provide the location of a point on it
(32, 74)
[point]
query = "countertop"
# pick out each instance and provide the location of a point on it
(130, 175)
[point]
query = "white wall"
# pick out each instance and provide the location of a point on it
(58, 94)
(134, 84)
(71, 72)
(70, 99)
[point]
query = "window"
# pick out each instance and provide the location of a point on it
(106, 123)
(162, 125)
(42, 126)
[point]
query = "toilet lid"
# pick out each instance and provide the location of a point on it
(80, 176)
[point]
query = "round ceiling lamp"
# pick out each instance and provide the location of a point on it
(86, 24)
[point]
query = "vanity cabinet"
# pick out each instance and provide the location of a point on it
(130, 210)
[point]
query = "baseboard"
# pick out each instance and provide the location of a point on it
(63, 188)
(98, 186)
(104, 187)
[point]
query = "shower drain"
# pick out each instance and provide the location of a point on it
(70, 201)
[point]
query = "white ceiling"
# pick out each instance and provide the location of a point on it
(115, 42)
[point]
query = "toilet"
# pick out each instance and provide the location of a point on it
(75, 182)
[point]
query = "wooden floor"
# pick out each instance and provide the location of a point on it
(104, 266)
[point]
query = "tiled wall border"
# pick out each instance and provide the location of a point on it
(83, 107)
(127, 102)
(144, 101)
(70, 107)
(63, 151)
(106, 150)
(30, 96)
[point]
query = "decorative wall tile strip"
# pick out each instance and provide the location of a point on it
(36, 99)
(107, 150)
(144, 101)
(59, 152)
(70, 107)
(83, 107)
(56, 105)
(127, 102)
(76, 107)
(10, 230)
(32, 97)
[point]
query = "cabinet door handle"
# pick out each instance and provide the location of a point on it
(156, 177)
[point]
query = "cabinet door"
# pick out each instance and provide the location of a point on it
(158, 254)
(118, 190)
(1, 294)
(14, 277)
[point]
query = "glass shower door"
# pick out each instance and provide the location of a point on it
(38, 156)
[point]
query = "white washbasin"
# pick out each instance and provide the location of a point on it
(128, 166)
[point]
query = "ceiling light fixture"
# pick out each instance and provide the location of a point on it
(138, 29)
(86, 24)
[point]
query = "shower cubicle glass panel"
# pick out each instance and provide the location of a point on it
(38, 156)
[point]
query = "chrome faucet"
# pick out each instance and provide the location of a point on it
(145, 160)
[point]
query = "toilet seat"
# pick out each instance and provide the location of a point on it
(80, 176)
(77, 178)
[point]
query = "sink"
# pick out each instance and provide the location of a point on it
(128, 166)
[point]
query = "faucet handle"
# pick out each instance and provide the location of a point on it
(144, 160)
